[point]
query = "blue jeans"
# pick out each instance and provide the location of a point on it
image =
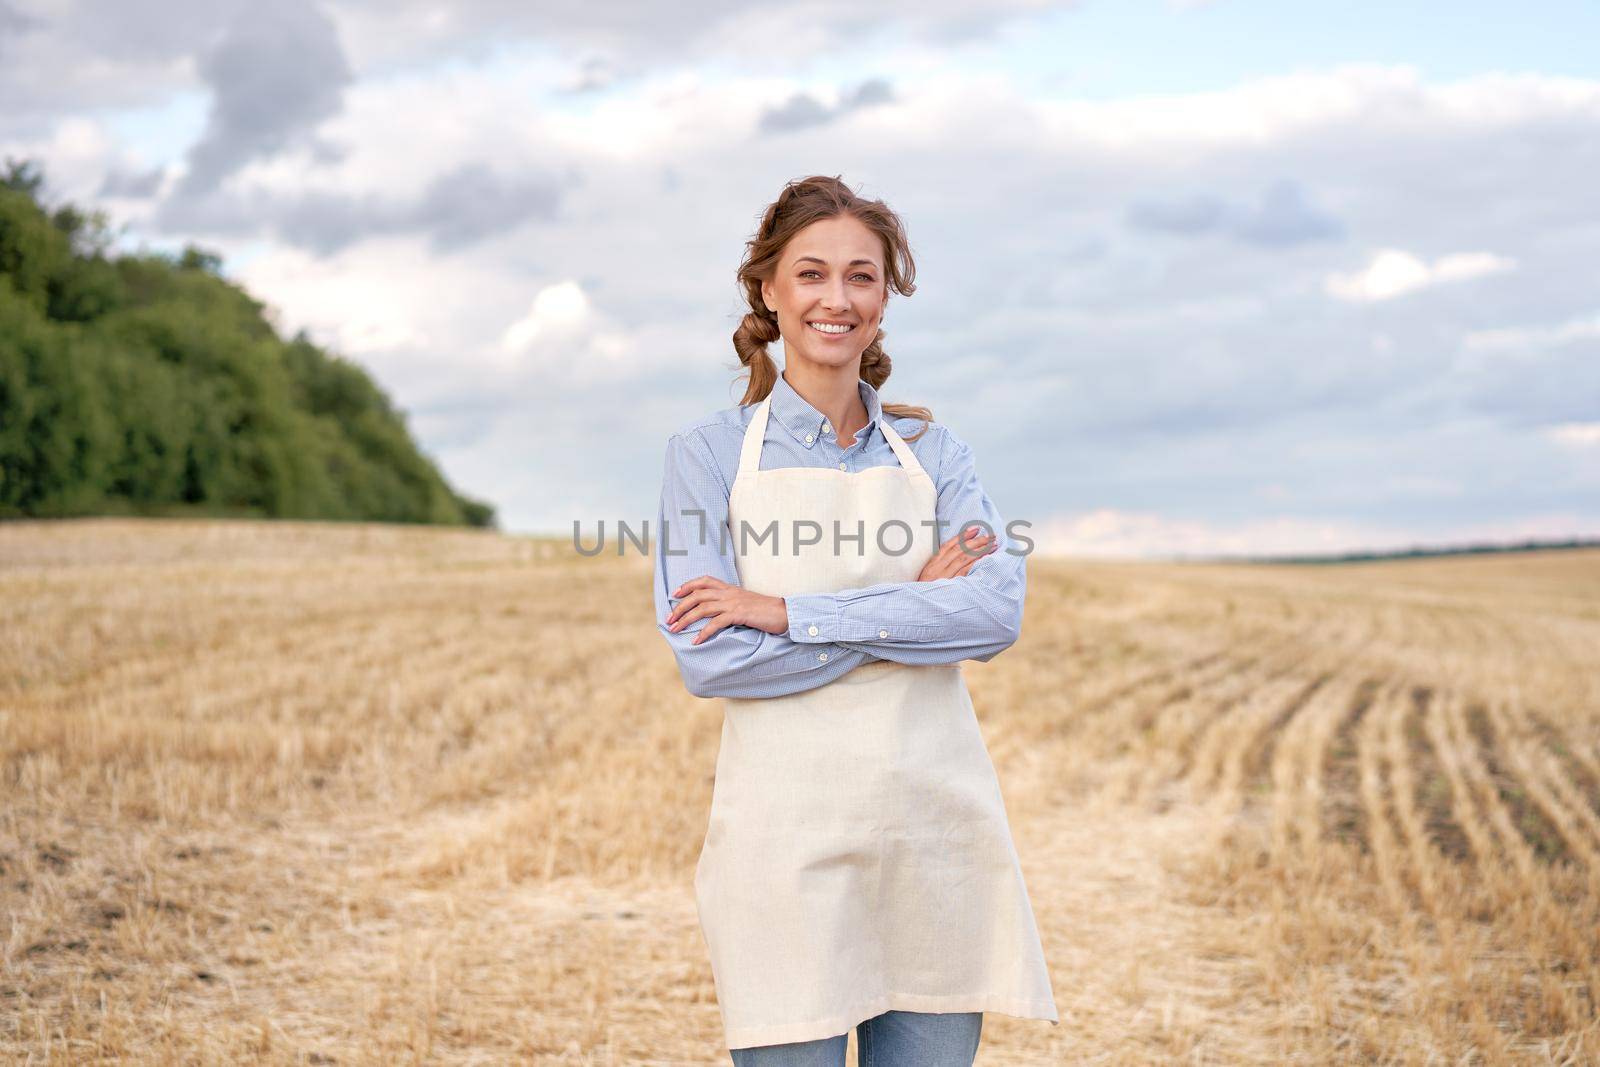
(893, 1039)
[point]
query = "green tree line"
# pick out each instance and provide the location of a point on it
(150, 385)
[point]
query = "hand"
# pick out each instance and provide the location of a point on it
(952, 561)
(711, 598)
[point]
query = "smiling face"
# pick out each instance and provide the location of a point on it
(831, 275)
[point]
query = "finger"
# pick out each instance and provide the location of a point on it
(951, 548)
(961, 554)
(692, 584)
(698, 595)
(978, 546)
(691, 609)
(705, 581)
(712, 627)
(701, 611)
(682, 606)
(967, 539)
(961, 565)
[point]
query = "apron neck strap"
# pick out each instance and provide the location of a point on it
(908, 458)
(755, 436)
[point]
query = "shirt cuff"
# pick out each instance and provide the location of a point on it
(824, 618)
(813, 619)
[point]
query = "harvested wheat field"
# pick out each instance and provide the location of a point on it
(364, 794)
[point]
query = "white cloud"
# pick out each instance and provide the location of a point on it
(558, 313)
(366, 302)
(1393, 272)
(1583, 434)
(1534, 337)
(75, 155)
(563, 335)
(1361, 101)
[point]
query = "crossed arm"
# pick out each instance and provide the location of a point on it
(730, 641)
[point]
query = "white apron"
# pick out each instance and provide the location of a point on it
(858, 858)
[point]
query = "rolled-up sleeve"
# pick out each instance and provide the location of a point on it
(692, 540)
(973, 616)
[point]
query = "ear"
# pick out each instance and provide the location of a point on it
(766, 295)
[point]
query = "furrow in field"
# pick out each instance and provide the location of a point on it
(1134, 690)
(1556, 946)
(1583, 774)
(1574, 744)
(1176, 724)
(1135, 734)
(1142, 713)
(1435, 878)
(1258, 763)
(1431, 1005)
(1536, 832)
(1118, 745)
(1297, 937)
(1518, 640)
(1551, 792)
(1204, 744)
(1332, 810)
(1297, 769)
(1216, 772)
(1256, 732)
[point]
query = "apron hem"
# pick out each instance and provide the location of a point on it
(788, 1033)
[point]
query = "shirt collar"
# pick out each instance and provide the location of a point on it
(805, 422)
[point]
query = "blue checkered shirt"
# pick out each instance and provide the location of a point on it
(974, 616)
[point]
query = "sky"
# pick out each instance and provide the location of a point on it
(1193, 278)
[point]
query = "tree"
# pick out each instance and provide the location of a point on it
(152, 384)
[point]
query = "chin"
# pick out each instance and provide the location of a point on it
(834, 360)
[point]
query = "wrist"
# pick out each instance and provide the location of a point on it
(813, 618)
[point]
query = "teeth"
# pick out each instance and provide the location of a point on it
(826, 328)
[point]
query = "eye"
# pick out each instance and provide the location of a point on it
(860, 274)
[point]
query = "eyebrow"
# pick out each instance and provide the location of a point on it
(852, 263)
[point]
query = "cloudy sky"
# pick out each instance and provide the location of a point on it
(1193, 277)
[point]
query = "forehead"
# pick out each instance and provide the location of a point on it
(844, 241)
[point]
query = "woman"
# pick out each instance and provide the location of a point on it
(858, 869)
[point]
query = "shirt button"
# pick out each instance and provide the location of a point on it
(841, 466)
(883, 633)
(808, 439)
(822, 657)
(826, 428)
(812, 630)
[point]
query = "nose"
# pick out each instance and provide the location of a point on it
(836, 298)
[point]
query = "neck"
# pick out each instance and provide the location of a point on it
(832, 391)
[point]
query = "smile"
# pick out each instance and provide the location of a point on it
(825, 327)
